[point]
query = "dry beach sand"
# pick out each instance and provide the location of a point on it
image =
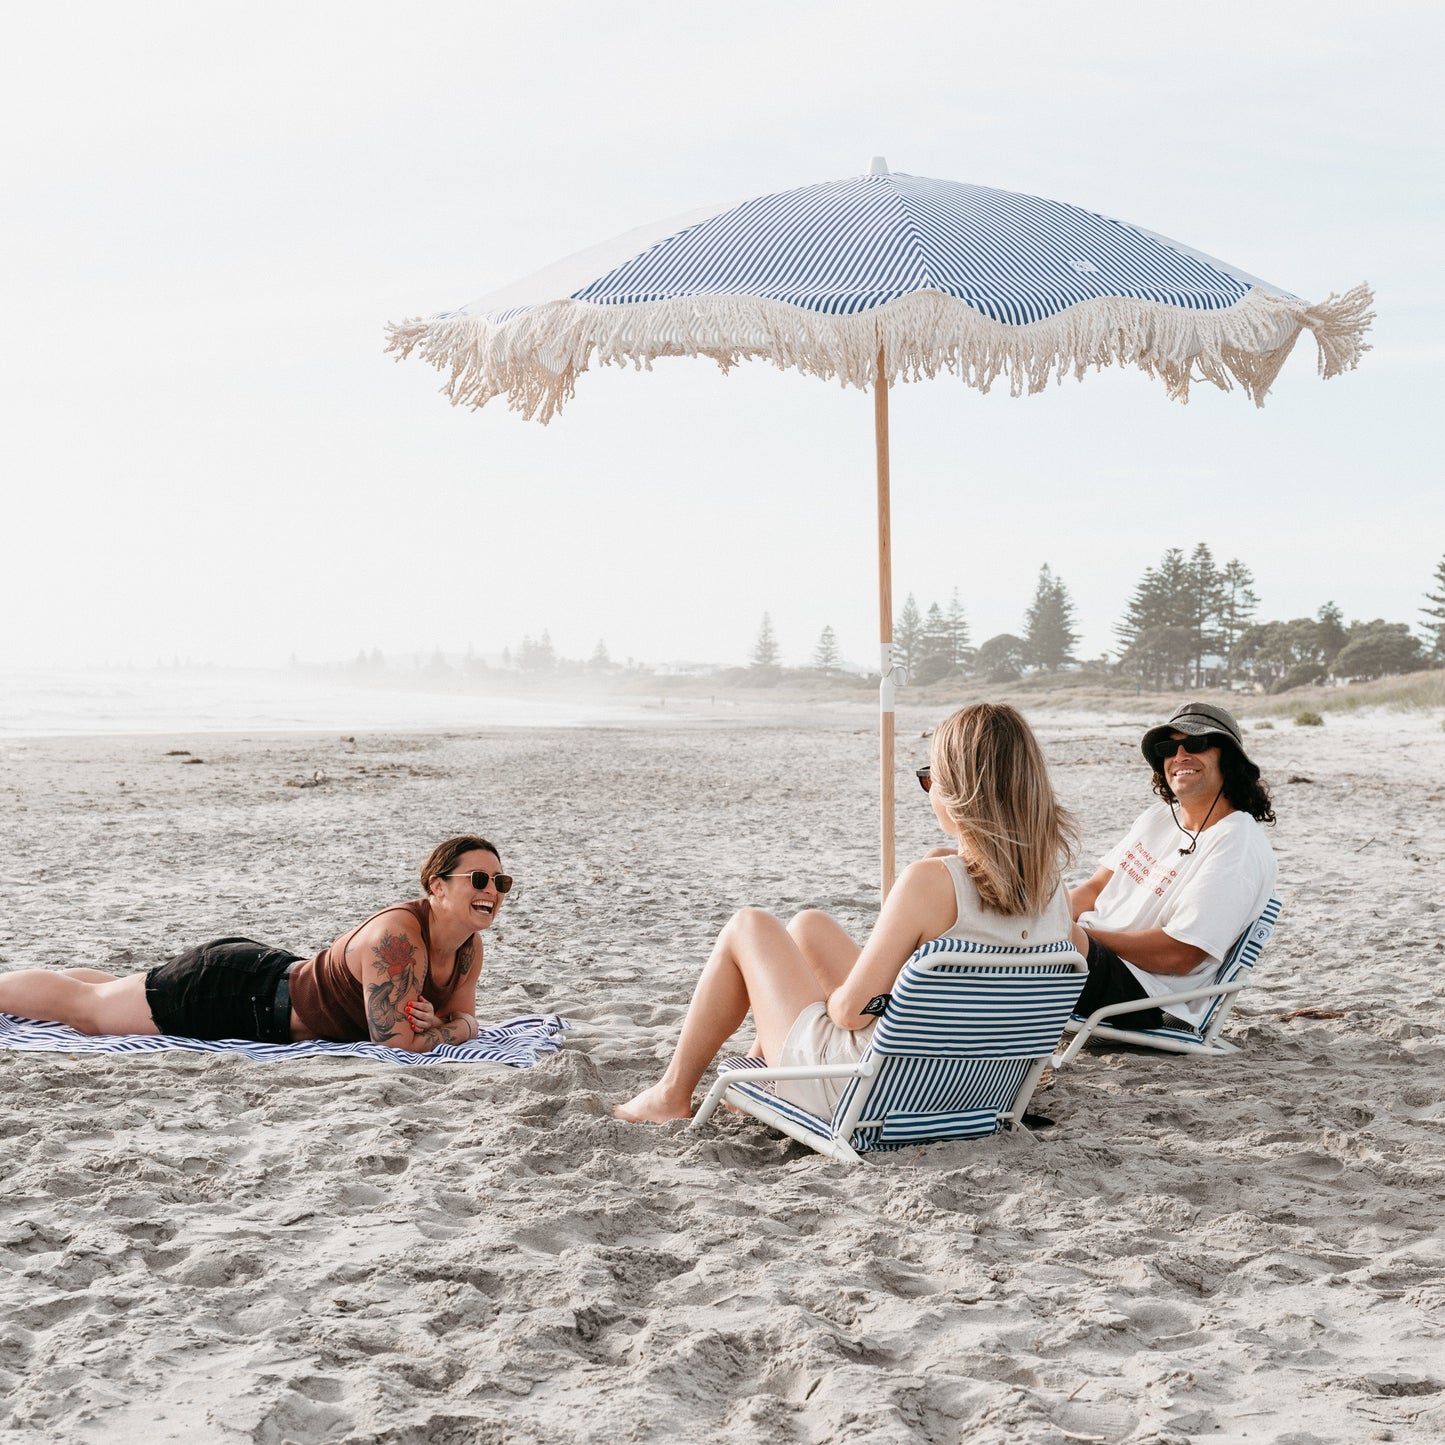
(205, 1249)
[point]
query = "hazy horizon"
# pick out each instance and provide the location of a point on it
(210, 214)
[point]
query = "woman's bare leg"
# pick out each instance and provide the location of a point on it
(753, 965)
(829, 949)
(117, 1006)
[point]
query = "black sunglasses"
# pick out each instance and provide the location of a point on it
(925, 776)
(1201, 743)
(479, 879)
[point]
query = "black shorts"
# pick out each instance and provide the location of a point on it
(1111, 982)
(230, 988)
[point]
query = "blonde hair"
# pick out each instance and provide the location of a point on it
(989, 775)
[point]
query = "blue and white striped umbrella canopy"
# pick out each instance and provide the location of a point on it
(930, 275)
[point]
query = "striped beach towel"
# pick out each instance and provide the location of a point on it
(520, 1042)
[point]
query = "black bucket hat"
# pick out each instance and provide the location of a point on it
(1193, 720)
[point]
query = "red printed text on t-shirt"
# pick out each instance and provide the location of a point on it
(1143, 868)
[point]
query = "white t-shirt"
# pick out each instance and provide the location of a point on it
(1205, 899)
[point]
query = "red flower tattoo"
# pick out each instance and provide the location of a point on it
(397, 953)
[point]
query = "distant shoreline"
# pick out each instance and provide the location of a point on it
(159, 702)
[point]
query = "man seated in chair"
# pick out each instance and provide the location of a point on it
(1187, 878)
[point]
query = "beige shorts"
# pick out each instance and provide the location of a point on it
(815, 1039)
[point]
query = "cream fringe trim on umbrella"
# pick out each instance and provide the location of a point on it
(534, 358)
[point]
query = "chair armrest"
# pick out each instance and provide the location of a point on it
(725, 1079)
(799, 1071)
(1131, 1006)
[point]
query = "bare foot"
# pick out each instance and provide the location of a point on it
(653, 1106)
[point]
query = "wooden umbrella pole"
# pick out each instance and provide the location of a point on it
(885, 629)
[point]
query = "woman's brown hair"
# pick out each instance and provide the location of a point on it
(989, 775)
(443, 858)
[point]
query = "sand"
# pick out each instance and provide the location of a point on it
(204, 1249)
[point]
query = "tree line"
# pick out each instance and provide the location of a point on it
(1189, 622)
(936, 644)
(1193, 623)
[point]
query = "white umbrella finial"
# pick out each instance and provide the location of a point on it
(878, 167)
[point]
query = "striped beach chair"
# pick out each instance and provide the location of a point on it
(968, 1030)
(1233, 973)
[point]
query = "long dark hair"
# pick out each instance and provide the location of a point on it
(1243, 789)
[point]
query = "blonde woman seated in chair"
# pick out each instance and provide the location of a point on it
(814, 994)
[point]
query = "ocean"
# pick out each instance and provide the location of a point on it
(49, 702)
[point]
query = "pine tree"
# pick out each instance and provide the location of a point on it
(1202, 605)
(1140, 612)
(935, 649)
(826, 657)
(1155, 627)
(957, 634)
(1048, 625)
(1435, 629)
(907, 635)
(1237, 602)
(765, 649)
(600, 658)
(537, 655)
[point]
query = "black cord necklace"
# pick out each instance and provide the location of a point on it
(1194, 836)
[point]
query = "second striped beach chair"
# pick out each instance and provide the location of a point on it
(1233, 973)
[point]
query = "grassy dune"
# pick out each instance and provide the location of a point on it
(1094, 691)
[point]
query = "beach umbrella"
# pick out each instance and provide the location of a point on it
(876, 279)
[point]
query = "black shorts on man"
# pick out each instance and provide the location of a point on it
(1110, 981)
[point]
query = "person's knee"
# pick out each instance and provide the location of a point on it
(752, 920)
(754, 933)
(808, 922)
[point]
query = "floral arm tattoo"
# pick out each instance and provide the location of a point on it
(395, 977)
(397, 974)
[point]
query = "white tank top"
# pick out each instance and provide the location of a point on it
(979, 925)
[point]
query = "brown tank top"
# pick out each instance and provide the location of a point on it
(327, 995)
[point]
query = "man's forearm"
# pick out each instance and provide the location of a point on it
(1151, 949)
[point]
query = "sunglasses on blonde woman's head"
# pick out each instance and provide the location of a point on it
(925, 776)
(479, 880)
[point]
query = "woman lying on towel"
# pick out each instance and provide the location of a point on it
(405, 977)
(814, 994)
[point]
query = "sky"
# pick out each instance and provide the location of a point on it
(209, 212)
